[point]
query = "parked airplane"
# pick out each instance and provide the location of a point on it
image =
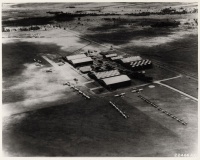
(120, 95)
(37, 64)
(60, 64)
(49, 70)
(67, 83)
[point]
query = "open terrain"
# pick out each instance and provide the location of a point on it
(43, 117)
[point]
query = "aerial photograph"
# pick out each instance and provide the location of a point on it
(100, 79)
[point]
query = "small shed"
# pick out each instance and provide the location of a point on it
(85, 69)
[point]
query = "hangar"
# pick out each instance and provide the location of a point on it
(116, 82)
(81, 61)
(110, 55)
(106, 74)
(78, 56)
(130, 59)
(143, 64)
(116, 58)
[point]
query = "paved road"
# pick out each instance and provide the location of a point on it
(166, 79)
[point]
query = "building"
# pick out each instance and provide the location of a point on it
(85, 69)
(116, 82)
(78, 56)
(103, 53)
(107, 52)
(106, 74)
(81, 61)
(142, 64)
(110, 55)
(130, 59)
(116, 58)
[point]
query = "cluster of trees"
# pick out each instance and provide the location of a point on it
(54, 12)
(173, 11)
(162, 12)
(21, 29)
(196, 21)
(111, 19)
(140, 14)
(29, 28)
(79, 14)
(71, 7)
(28, 21)
(61, 16)
(166, 24)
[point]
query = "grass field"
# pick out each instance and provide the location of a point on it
(124, 36)
(185, 84)
(84, 129)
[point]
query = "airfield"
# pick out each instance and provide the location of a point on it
(42, 116)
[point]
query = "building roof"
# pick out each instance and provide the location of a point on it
(115, 58)
(131, 59)
(140, 63)
(81, 60)
(75, 57)
(111, 55)
(106, 74)
(85, 69)
(103, 53)
(107, 52)
(116, 79)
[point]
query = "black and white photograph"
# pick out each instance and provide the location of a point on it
(99, 79)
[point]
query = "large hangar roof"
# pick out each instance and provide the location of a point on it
(111, 55)
(116, 79)
(116, 58)
(81, 60)
(141, 63)
(78, 56)
(85, 69)
(131, 59)
(106, 74)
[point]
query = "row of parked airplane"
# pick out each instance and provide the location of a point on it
(163, 111)
(49, 70)
(76, 89)
(122, 113)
